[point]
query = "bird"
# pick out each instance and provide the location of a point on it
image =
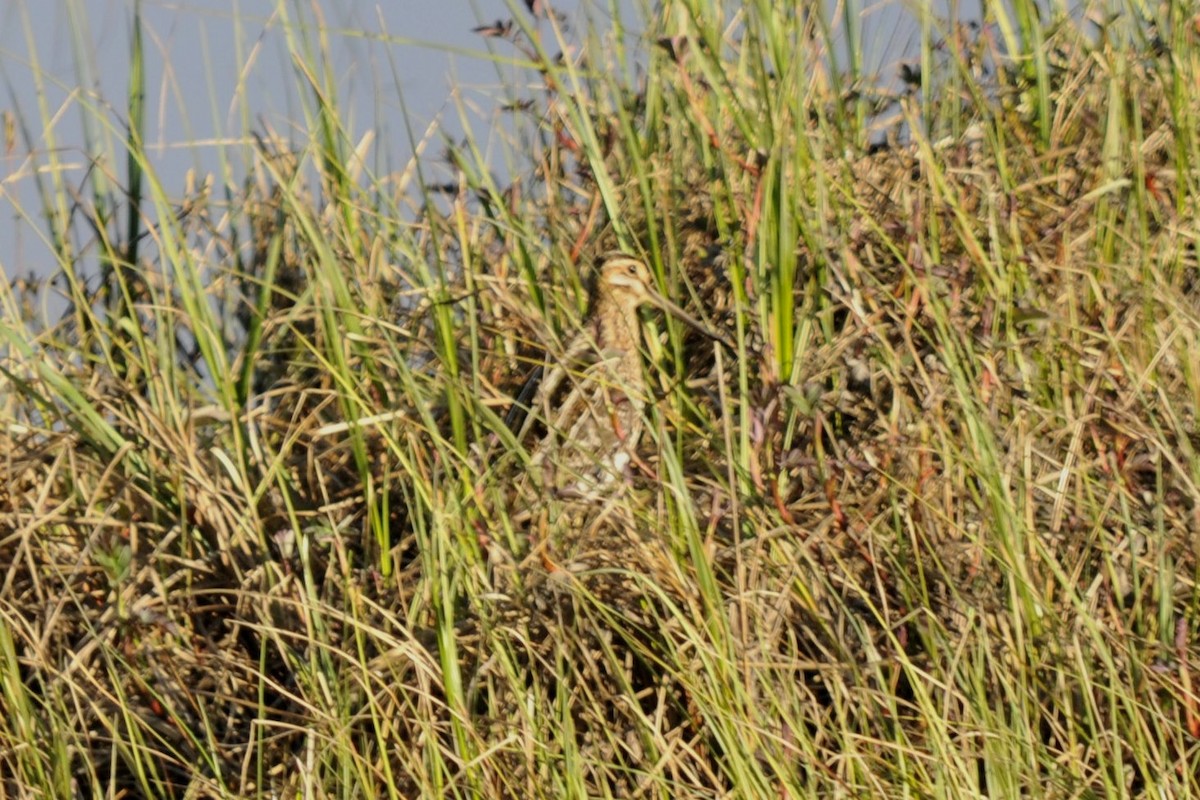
(593, 431)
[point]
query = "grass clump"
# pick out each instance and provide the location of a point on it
(926, 528)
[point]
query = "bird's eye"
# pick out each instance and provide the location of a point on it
(632, 269)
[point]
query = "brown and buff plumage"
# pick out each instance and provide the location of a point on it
(593, 431)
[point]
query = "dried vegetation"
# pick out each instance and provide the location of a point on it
(931, 527)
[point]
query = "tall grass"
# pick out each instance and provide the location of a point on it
(923, 524)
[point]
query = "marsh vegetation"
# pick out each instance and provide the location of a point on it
(920, 520)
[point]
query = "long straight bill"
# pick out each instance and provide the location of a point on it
(677, 312)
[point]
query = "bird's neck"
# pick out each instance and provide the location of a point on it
(618, 327)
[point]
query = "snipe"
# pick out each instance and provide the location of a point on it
(593, 431)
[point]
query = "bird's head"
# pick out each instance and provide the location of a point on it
(627, 280)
